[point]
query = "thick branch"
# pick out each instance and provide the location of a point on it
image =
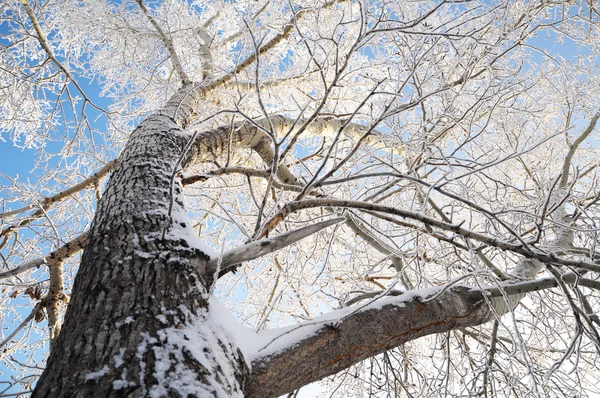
(317, 349)
(308, 352)
(212, 144)
(55, 295)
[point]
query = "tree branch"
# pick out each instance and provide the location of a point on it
(52, 258)
(573, 148)
(168, 45)
(48, 201)
(518, 248)
(262, 247)
(310, 351)
(313, 350)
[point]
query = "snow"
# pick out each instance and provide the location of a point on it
(162, 318)
(126, 321)
(206, 342)
(121, 384)
(118, 359)
(142, 254)
(182, 227)
(268, 342)
(246, 339)
(213, 338)
(94, 376)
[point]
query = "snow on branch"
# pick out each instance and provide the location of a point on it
(297, 355)
(262, 247)
(48, 201)
(52, 258)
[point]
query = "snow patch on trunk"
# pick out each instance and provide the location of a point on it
(94, 376)
(181, 226)
(200, 359)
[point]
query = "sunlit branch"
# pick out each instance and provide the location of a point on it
(527, 251)
(512, 288)
(48, 201)
(168, 45)
(361, 230)
(55, 295)
(307, 352)
(191, 179)
(574, 146)
(262, 247)
(53, 258)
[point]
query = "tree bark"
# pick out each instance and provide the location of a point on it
(139, 322)
(316, 349)
(140, 285)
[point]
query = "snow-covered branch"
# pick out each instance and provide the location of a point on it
(52, 258)
(299, 355)
(262, 247)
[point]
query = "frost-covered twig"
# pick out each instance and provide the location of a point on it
(168, 45)
(41, 38)
(36, 309)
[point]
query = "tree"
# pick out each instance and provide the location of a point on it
(412, 169)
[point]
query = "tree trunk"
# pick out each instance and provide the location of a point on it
(139, 289)
(139, 322)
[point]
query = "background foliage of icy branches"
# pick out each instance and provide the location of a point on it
(480, 99)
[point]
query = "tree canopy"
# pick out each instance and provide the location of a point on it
(400, 196)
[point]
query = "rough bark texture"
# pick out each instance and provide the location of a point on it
(338, 344)
(138, 323)
(138, 284)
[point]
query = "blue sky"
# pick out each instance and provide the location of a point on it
(15, 161)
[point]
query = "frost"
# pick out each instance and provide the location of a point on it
(162, 319)
(206, 342)
(94, 376)
(126, 321)
(119, 358)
